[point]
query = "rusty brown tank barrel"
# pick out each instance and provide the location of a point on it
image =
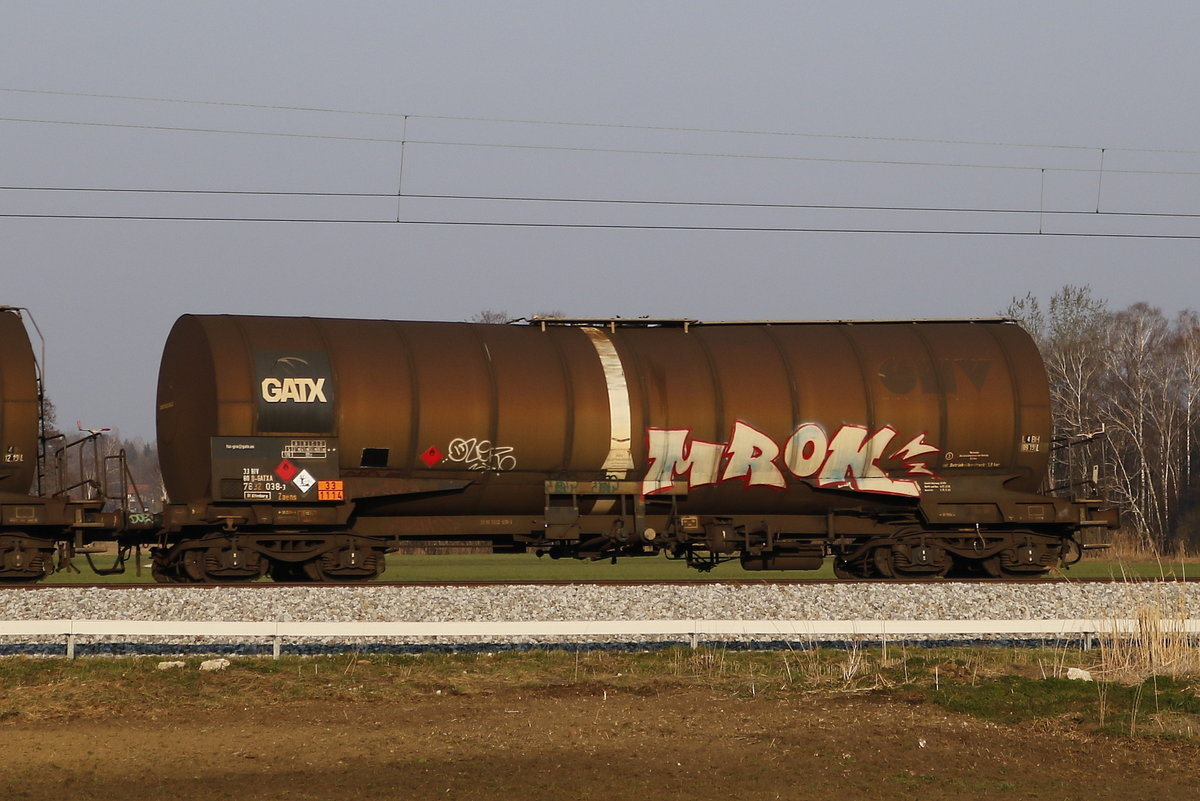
(18, 406)
(738, 411)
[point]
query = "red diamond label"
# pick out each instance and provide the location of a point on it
(431, 456)
(286, 470)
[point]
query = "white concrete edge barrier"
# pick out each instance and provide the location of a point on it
(693, 630)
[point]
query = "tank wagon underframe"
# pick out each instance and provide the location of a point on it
(1021, 536)
(40, 535)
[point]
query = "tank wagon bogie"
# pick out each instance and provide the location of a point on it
(305, 448)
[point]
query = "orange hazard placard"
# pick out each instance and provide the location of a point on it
(330, 491)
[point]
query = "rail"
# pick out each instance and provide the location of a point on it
(694, 631)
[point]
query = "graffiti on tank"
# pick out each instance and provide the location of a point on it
(848, 459)
(481, 454)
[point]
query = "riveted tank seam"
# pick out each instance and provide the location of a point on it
(716, 435)
(793, 387)
(493, 386)
(320, 333)
(943, 404)
(1014, 381)
(414, 427)
(249, 379)
(568, 397)
(869, 401)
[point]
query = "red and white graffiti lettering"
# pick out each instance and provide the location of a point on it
(849, 459)
(750, 456)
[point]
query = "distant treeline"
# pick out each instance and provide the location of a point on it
(1132, 377)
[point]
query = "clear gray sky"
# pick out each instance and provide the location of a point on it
(777, 149)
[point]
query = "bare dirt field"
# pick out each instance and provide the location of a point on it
(581, 742)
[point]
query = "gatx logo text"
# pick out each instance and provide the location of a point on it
(294, 390)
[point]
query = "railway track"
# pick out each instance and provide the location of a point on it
(262, 585)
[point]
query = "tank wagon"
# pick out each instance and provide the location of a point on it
(38, 520)
(305, 448)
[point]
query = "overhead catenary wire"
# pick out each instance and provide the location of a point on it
(752, 132)
(700, 204)
(712, 154)
(605, 226)
(621, 151)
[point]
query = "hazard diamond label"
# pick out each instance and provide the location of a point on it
(304, 481)
(431, 456)
(286, 470)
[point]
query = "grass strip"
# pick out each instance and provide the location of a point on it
(1005, 685)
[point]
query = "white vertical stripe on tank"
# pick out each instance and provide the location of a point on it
(620, 415)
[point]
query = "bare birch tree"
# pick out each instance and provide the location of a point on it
(1071, 339)
(1135, 374)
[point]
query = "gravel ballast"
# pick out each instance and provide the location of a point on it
(532, 602)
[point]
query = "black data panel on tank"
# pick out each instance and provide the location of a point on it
(276, 469)
(295, 391)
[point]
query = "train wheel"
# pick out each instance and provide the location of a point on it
(163, 569)
(164, 576)
(845, 570)
(350, 561)
(222, 560)
(882, 558)
(1032, 558)
(913, 561)
(862, 567)
(1024, 573)
(313, 571)
(25, 559)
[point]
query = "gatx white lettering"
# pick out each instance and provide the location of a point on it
(847, 460)
(295, 390)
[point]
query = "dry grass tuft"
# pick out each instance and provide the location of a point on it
(1158, 644)
(1128, 547)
